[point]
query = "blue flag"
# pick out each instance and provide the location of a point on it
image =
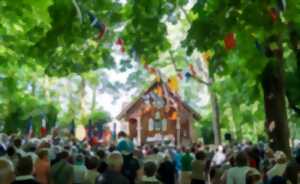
(29, 128)
(99, 130)
(90, 131)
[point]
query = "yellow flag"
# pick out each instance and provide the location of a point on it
(173, 83)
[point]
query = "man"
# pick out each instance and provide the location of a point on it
(167, 171)
(186, 166)
(113, 174)
(79, 169)
(92, 174)
(24, 171)
(238, 174)
(42, 167)
(292, 172)
(6, 172)
(62, 172)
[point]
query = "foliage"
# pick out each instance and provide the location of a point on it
(100, 116)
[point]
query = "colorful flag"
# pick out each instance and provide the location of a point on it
(29, 129)
(173, 84)
(230, 41)
(43, 130)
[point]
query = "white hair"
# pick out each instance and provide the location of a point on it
(115, 160)
(6, 170)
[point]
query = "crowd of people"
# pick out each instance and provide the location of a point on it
(59, 160)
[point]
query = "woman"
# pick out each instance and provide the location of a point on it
(198, 169)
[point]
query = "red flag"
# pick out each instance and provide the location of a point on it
(274, 14)
(229, 41)
(44, 127)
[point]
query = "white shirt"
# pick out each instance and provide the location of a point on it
(218, 158)
(237, 175)
(277, 170)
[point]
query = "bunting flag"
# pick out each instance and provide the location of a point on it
(43, 130)
(273, 14)
(97, 24)
(120, 42)
(173, 84)
(72, 127)
(29, 129)
(229, 41)
(206, 56)
(192, 70)
(158, 90)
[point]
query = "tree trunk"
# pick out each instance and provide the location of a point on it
(215, 117)
(94, 98)
(82, 96)
(274, 102)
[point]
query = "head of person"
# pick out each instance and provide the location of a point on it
(63, 155)
(17, 142)
(155, 150)
(122, 135)
(241, 159)
(79, 159)
(92, 163)
(24, 166)
(43, 154)
(11, 151)
(6, 172)
(200, 155)
(150, 169)
(101, 154)
(280, 157)
(115, 161)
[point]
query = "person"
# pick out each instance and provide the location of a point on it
(79, 169)
(198, 169)
(279, 168)
(167, 171)
(17, 142)
(102, 161)
(6, 172)
(238, 173)
(219, 157)
(149, 177)
(292, 172)
(130, 167)
(92, 173)
(154, 156)
(113, 173)
(42, 167)
(24, 171)
(62, 172)
(12, 155)
(186, 167)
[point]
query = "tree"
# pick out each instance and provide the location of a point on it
(227, 28)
